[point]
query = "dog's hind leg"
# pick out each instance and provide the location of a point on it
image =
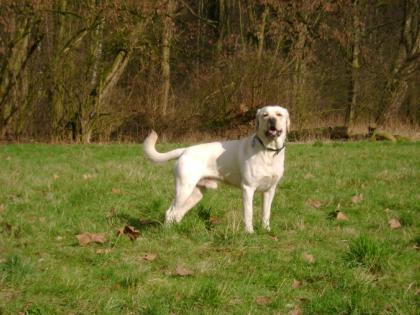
(178, 212)
(187, 195)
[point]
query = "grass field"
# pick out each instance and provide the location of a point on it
(310, 263)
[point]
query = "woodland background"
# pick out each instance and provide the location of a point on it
(99, 70)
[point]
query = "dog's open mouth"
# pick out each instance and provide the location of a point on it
(272, 132)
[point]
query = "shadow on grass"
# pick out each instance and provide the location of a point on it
(140, 223)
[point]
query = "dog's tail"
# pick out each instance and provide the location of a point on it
(155, 156)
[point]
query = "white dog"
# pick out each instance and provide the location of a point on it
(254, 164)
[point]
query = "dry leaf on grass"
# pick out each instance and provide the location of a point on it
(86, 238)
(87, 176)
(357, 198)
(308, 176)
(341, 216)
(6, 228)
(262, 300)
(149, 257)
(394, 224)
(55, 176)
(308, 258)
(111, 213)
(103, 251)
(296, 284)
(314, 203)
(130, 231)
(213, 220)
(117, 191)
(295, 311)
(2, 208)
(182, 271)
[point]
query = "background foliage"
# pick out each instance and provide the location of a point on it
(104, 70)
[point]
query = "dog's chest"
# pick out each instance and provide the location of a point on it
(266, 175)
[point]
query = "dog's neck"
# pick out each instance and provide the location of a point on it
(270, 145)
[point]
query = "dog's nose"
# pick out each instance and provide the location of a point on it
(272, 121)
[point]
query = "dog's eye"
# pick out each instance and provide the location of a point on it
(279, 114)
(265, 115)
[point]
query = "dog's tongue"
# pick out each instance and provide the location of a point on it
(272, 132)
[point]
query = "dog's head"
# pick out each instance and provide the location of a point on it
(272, 123)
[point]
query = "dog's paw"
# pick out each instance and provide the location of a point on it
(266, 227)
(249, 230)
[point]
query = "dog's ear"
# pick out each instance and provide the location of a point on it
(288, 122)
(257, 118)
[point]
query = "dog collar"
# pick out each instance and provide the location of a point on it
(277, 151)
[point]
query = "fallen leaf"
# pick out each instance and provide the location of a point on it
(55, 176)
(182, 271)
(149, 257)
(214, 220)
(103, 251)
(59, 238)
(394, 224)
(387, 210)
(341, 216)
(295, 311)
(130, 231)
(357, 198)
(117, 191)
(86, 238)
(314, 203)
(308, 258)
(263, 300)
(2, 208)
(6, 228)
(296, 284)
(87, 176)
(111, 213)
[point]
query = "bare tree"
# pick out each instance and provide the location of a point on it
(354, 88)
(167, 34)
(21, 46)
(406, 64)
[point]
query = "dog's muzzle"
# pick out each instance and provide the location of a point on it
(272, 130)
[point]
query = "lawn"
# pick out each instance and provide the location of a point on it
(345, 235)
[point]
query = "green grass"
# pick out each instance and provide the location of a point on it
(51, 193)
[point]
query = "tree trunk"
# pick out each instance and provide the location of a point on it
(355, 67)
(299, 71)
(405, 66)
(261, 31)
(91, 104)
(57, 75)
(168, 29)
(221, 27)
(12, 69)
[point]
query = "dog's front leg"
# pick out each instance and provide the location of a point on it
(247, 199)
(267, 200)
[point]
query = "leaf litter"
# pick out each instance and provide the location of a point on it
(309, 258)
(394, 224)
(315, 203)
(87, 238)
(357, 198)
(149, 257)
(130, 231)
(182, 271)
